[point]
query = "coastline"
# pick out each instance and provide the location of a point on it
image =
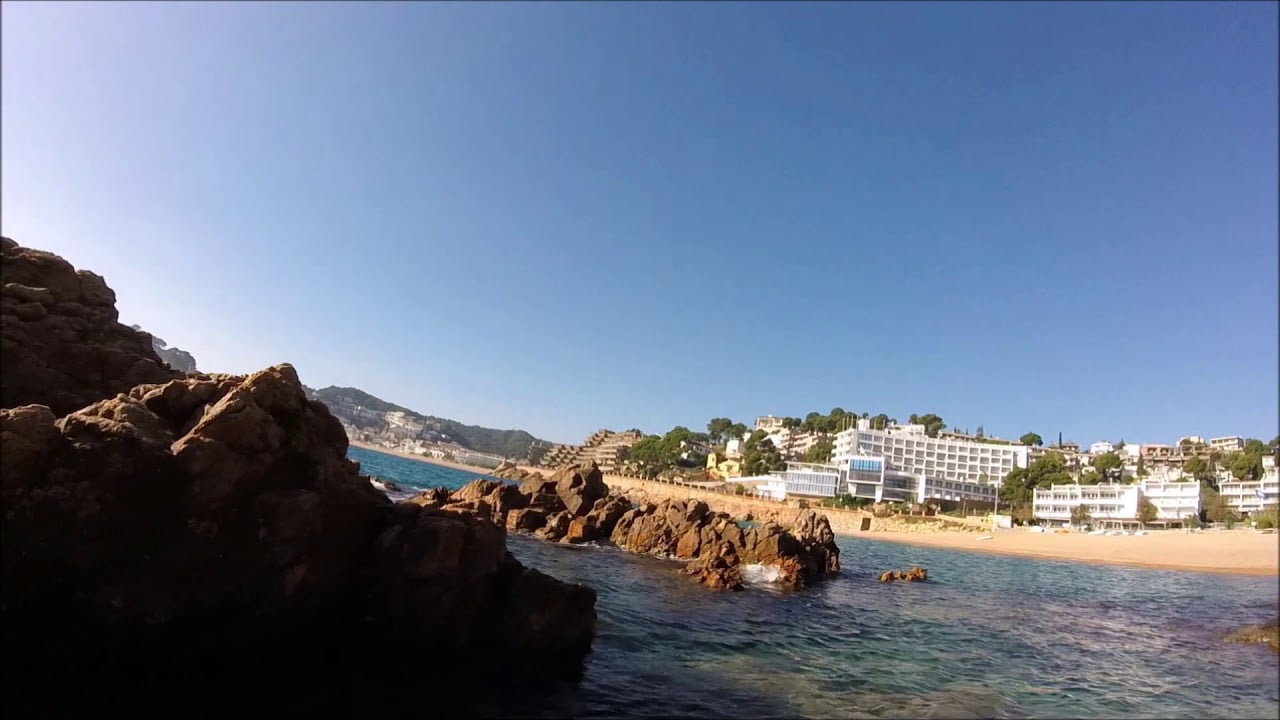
(1231, 552)
(420, 458)
(1236, 552)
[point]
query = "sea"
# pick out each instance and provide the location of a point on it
(986, 637)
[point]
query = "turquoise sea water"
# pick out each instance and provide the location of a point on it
(987, 636)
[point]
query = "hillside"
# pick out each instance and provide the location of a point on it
(508, 443)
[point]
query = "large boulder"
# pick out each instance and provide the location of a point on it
(579, 487)
(60, 343)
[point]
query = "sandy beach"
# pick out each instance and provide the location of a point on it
(420, 458)
(1225, 551)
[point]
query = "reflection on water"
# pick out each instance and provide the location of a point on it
(987, 636)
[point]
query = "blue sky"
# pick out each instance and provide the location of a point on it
(565, 217)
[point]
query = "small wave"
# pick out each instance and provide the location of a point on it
(760, 574)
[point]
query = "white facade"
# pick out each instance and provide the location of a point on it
(733, 448)
(1105, 502)
(399, 420)
(869, 477)
(1101, 447)
(1173, 501)
(1252, 496)
(768, 423)
(1233, 443)
(946, 459)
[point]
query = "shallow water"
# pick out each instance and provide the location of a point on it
(987, 636)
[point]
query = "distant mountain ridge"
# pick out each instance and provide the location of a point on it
(507, 443)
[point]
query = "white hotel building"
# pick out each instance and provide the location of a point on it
(906, 449)
(1252, 496)
(1173, 500)
(871, 478)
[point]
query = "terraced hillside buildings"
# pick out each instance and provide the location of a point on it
(603, 447)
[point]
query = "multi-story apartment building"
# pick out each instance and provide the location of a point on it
(871, 477)
(1173, 501)
(909, 450)
(1153, 451)
(1249, 497)
(1233, 443)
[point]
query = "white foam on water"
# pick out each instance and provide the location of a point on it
(760, 574)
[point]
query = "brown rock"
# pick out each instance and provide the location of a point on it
(60, 343)
(433, 498)
(549, 502)
(689, 544)
(214, 524)
(556, 526)
(581, 529)
(606, 513)
(579, 487)
(526, 519)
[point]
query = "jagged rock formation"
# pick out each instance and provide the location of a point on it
(60, 342)
(209, 532)
(804, 554)
(574, 506)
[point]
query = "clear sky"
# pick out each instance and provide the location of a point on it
(565, 217)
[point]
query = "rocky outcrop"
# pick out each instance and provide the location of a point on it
(915, 574)
(60, 342)
(213, 524)
(803, 555)
(1267, 633)
(169, 534)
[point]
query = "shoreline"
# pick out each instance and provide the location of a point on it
(1098, 556)
(420, 458)
(1232, 552)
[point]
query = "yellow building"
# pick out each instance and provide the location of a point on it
(722, 467)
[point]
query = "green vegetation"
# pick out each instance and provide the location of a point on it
(1080, 515)
(1031, 439)
(1199, 468)
(1147, 511)
(820, 452)
(846, 501)
(1049, 469)
(1214, 508)
(656, 454)
(932, 423)
(759, 456)
(1191, 521)
(1109, 465)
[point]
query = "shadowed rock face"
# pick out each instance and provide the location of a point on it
(60, 342)
(209, 532)
(1267, 634)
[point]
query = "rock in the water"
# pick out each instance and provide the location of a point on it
(579, 487)
(60, 342)
(915, 574)
(526, 519)
(435, 497)
(556, 526)
(688, 530)
(580, 530)
(721, 569)
(1267, 633)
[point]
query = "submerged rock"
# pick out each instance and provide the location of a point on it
(915, 574)
(1267, 633)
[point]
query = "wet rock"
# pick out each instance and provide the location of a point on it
(556, 526)
(1267, 633)
(915, 574)
(580, 530)
(526, 519)
(435, 497)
